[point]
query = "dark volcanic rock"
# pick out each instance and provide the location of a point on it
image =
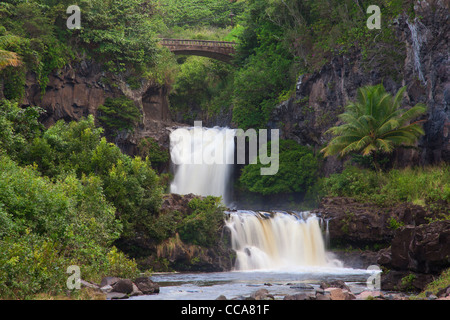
(422, 63)
(146, 286)
(362, 224)
(423, 249)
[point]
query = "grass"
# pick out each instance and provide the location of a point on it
(442, 282)
(425, 186)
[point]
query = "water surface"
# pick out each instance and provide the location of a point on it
(240, 284)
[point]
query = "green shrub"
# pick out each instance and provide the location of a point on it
(158, 156)
(118, 114)
(31, 264)
(298, 169)
(203, 226)
(18, 127)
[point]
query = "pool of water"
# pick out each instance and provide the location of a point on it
(240, 284)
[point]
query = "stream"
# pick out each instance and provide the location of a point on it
(241, 284)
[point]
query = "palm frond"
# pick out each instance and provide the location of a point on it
(375, 122)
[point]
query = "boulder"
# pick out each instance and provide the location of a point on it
(116, 296)
(395, 280)
(146, 286)
(340, 294)
(123, 286)
(362, 224)
(421, 249)
(334, 284)
(320, 296)
(298, 296)
(109, 281)
(262, 294)
(365, 295)
(106, 289)
(136, 291)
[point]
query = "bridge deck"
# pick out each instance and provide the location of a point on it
(205, 43)
(220, 50)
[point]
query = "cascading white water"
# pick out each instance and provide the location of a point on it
(417, 40)
(203, 159)
(280, 242)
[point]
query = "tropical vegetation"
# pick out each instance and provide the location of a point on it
(375, 123)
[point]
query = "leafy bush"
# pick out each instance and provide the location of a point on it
(130, 184)
(120, 33)
(18, 127)
(298, 169)
(202, 227)
(31, 264)
(118, 114)
(158, 156)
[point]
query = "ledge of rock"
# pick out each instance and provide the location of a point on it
(117, 288)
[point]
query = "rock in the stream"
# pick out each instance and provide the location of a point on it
(262, 294)
(147, 286)
(298, 296)
(340, 294)
(123, 286)
(334, 284)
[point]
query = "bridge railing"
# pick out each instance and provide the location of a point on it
(208, 43)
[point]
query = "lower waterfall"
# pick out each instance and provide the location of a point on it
(276, 241)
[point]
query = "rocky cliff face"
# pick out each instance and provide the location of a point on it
(422, 64)
(78, 90)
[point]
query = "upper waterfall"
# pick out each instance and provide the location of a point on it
(203, 161)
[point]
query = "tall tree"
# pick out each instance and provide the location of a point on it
(375, 123)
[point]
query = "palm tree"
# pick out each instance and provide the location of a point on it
(8, 58)
(375, 123)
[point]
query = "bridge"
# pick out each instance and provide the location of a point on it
(219, 50)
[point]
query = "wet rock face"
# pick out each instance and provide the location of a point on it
(424, 68)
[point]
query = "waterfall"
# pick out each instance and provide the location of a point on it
(281, 242)
(203, 161)
(417, 41)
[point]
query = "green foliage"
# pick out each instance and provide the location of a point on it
(158, 155)
(79, 195)
(440, 283)
(118, 114)
(298, 169)
(120, 33)
(198, 81)
(119, 265)
(428, 186)
(130, 184)
(189, 13)
(394, 224)
(18, 126)
(32, 35)
(30, 264)
(202, 227)
(375, 123)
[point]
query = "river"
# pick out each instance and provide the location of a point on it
(241, 284)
